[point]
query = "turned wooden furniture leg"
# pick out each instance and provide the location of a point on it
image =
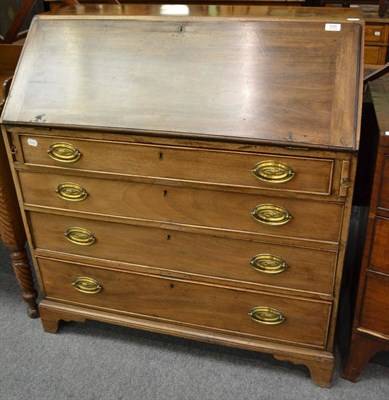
(23, 276)
(19, 258)
(13, 235)
(362, 349)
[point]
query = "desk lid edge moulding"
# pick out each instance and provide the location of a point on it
(287, 81)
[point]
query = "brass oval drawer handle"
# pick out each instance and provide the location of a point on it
(64, 152)
(266, 315)
(80, 236)
(268, 264)
(273, 172)
(71, 192)
(271, 214)
(86, 285)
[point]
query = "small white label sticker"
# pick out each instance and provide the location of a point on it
(333, 27)
(353, 19)
(377, 33)
(32, 142)
(386, 133)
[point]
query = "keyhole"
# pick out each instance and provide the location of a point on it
(171, 286)
(168, 237)
(161, 156)
(164, 193)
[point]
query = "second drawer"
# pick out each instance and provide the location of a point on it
(281, 217)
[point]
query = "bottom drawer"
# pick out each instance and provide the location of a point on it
(374, 314)
(219, 308)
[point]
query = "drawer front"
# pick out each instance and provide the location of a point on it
(383, 201)
(212, 307)
(196, 207)
(374, 314)
(379, 260)
(374, 54)
(375, 33)
(188, 253)
(294, 174)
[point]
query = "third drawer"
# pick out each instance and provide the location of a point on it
(191, 254)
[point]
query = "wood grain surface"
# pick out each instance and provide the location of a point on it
(286, 82)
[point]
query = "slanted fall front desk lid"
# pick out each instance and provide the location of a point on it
(286, 77)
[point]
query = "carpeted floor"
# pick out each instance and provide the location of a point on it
(95, 361)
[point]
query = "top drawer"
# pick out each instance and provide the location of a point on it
(240, 169)
(375, 33)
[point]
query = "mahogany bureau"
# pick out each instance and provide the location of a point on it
(191, 174)
(376, 38)
(370, 332)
